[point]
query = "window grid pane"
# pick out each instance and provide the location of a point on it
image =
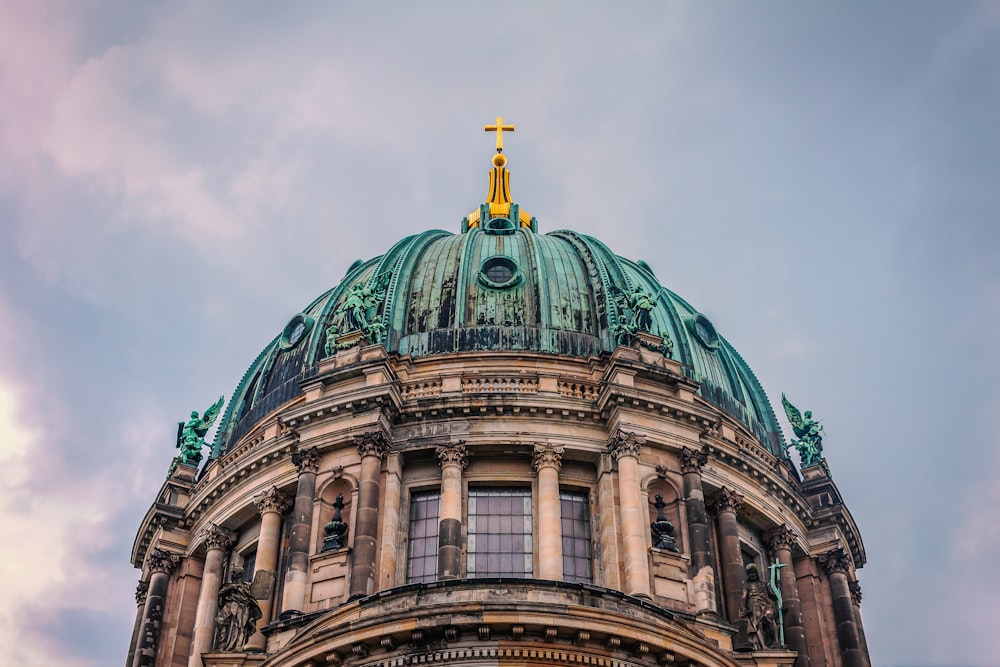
(499, 532)
(421, 562)
(577, 559)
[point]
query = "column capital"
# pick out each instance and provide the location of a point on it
(546, 455)
(272, 500)
(855, 587)
(217, 537)
(836, 560)
(140, 592)
(159, 560)
(452, 454)
(692, 459)
(306, 460)
(372, 443)
(781, 537)
(727, 501)
(625, 443)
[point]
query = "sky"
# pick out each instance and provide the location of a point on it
(177, 180)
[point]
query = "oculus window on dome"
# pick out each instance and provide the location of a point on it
(295, 331)
(500, 272)
(703, 330)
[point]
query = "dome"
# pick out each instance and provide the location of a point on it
(498, 287)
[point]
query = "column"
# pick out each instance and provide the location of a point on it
(547, 462)
(372, 448)
(855, 586)
(453, 460)
(390, 521)
(608, 526)
(699, 539)
(299, 547)
(160, 564)
(271, 504)
(727, 503)
(140, 600)
(624, 447)
(837, 564)
(217, 542)
(780, 542)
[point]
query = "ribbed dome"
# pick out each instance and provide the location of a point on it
(500, 288)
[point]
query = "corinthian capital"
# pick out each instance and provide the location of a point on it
(625, 443)
(692, 459)
(372, 443)
(140, 592)
(727, 501)
(159, 560)
(453, 454)
(780, 538)
(272, 500)
(217, 537)
(855, 587)
(546, 455)
(836, 560)
(306, 460)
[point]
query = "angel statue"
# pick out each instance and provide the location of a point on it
(191, 434)
(808, 430)
(359, 311)
(637, 310)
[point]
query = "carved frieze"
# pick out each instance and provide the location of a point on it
(453, 454)
(625, 443)
(217, 537)
(272, 500)
(372, 443)
(546, 455)
(836, 560)
(159, 560)
(306, 460)
(727, 501)
(692, 459)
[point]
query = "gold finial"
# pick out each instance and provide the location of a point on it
(499, 128)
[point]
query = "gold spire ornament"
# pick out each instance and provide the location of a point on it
(498, 202)
(499, 128)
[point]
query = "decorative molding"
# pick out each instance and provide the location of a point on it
(836, 560)
(855, 587)
(372, 443)
(140, 592)
(625, 443)
(216, 537)
(727, 501)
(306, 460)
(272, 500)
(453, 454)
(159, 560)
(692, 460)
(546, 455)
(780, 538)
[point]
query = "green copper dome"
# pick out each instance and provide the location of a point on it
(499, 286)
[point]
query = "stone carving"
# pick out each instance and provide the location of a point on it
(372, 443)
(692, 460)
(855, 587)
(191, 435)
(216, 537)
(238, 614)
(272, 500)
(780, 538)
(546, 455)
(141, 589)
(727, 501)
(663, 530)
(810, 443)
(159, 560)
(625, 443)
(635, 314)
(758, 610)
(306, 460)
(836, 560)
(453, 454)
(359, 313)
(335, 529)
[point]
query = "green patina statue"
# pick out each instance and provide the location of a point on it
(635, 310)
(191, 434)
(810, 443)
(359, 313)
(776, 590)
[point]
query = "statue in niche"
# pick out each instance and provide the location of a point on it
(663, 530)
(758, 610)
(808, 431)
(238, 614)
(191, 434)
(335, 529)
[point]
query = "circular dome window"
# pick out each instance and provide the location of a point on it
(500, 272)
(703, 331)
(295, 331)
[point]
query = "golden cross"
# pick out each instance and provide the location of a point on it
(499, 128)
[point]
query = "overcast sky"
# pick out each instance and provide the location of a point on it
(820, 179)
